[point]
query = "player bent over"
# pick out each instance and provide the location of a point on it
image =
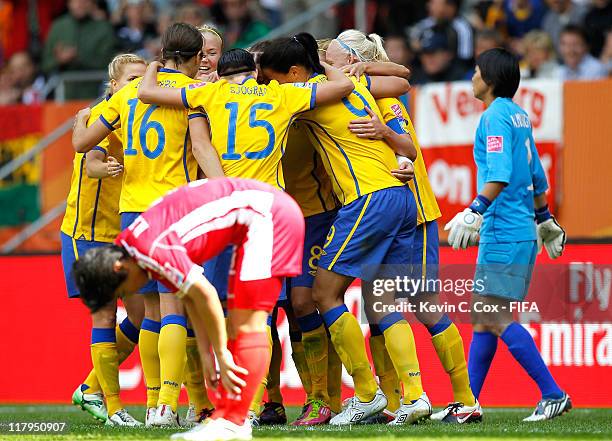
(193, 224)
(512, 191)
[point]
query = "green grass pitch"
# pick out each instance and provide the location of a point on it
(498, 424)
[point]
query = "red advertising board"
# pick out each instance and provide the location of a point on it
(45, 351)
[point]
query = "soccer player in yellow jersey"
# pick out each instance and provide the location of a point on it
(374, 226)
(157, 159)
(363, 54)
(92, 220)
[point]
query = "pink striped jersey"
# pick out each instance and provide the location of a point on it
(197, 221)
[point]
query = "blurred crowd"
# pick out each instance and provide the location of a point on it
(437, 39)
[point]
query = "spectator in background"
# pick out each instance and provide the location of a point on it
(523, 16)
(323, 26)
(606, 53)
(78, 42)
(19, 81)
(134, 29)
(487, 39)
(237, 22)
(398, 50)
(441, 12)
(560, 14)
(596, 22)
(192, 13)
(578, 64)
(437, 57)
(539, 56)
(274, 11)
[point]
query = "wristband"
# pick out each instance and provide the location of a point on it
(542, 214)
(403, 160)
(480, 204)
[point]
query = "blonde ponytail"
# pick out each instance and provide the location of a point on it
(362, 46)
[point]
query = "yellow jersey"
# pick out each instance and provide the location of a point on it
(156, 146)
(356, 166)
(92, 206)
(427, 207)
(305, 177)
(249, 123)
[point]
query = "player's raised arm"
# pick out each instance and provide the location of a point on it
(85, 138)
(377, 68)
(337, 86)
(203, 150)
(149, 92)
(388, 86)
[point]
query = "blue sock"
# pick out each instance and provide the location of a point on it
(334, 314)
(103, 335)
(389, 320)
(441, 326)
(523, 349)
(174, 319)
(482, 351)
(129, 330)
(310, 322)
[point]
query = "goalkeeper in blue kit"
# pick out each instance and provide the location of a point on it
(511, 194)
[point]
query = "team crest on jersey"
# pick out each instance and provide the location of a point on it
(495, 144)
(397, 110)
(304, 85)
(196, 85)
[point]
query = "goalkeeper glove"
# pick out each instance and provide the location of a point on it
(465, 226)
(550, 233)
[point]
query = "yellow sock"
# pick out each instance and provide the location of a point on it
(92, 383)
(449, 347)
(125, 347)
(334, 378)
(315, 350)
(148, 341)
(273, 386)
(349, 344)
(194, 377)
(172, 355)
(299, 360)
(106, 364)
(399, 341)
(385, 371)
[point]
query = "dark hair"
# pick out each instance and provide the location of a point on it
(235, 61)
(95, 277)
(500, 69)
(299, 50)
(576, 30)
(181, 42)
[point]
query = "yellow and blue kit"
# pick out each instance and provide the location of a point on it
(249, 123)
(156, 148)
(308, 183)
(378, 216)
(425, 253)
(92, 207)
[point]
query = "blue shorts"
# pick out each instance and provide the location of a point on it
(376, 229)
(217, 269)
(504, 269)
(317, 227)
(71, 250)
(152, 285)
(426, 252)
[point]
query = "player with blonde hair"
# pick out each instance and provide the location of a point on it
(92, 220)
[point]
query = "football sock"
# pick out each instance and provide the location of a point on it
(314, 339)
(385, 371)
(249, 350)
(482, 351)
(299, 360)
(172, 354)
(273, 386)
(148, 340)
(523, 349)
(449, 347)
(194, 376)
(334, 378)
(399, 342)
(261, 390)
(106, 364)
(127, 337)
(350, 345)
